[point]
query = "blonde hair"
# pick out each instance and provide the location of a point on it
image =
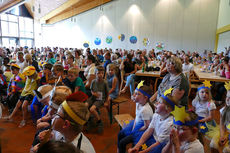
(60, 94)
(74, 70)
(171, 99)
(110, 66)
(197, 98)
(177, 63)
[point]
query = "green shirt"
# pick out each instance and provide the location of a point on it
(79, 83)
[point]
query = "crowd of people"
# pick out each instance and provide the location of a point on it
(66, 87)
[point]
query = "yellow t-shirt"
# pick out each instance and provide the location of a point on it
(30, 86)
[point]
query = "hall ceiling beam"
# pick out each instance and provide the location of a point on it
(76, 9)
(10, 4)
(60, 9)
(29, 8)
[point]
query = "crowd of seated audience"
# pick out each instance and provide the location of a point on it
(66, 87)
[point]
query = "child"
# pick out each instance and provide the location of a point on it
(183, 137)
(113, 84)
(99, 89)
(46, 75)
(107, 59)
(76, 82)
(27, 94)
(221, 140)
(159, 127)
(57, 72)
(204, 106)
(7, 73)
(15, 87)
(3, 84)
(69, 121)
(143, 117)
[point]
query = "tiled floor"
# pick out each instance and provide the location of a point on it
(18, 140)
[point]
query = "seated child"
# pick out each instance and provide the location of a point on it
(99, 89)
(59, 94)
(204, 107)
(15, 87)
(47, 75)
(58, 73)
(159, 127)
(220, 140)
(76, 82)
(183, 137)
(27, 94)
(113, 84)
(134, 130)
(3, 84)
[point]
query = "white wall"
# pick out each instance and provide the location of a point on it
(179, 24)
(224, 13)
(223, 20)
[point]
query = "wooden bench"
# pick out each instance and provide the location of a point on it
(116, 102)
(123, 119)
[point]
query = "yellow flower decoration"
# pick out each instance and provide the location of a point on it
(228, 126)
(168, 91)
(140, 84)
(127, 122)
(202, 127)
(207, 84)
(227, 85)
(144, 146)
(180, 114)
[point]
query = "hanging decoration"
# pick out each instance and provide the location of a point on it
(121, 37)
(97, 41)
(109, 39)
(146, 42)
(86, 44)
(133, 39)
(160, 46)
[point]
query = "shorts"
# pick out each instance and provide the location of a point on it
(92, 101)
(28, 98)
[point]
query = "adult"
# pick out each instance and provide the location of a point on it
(176, 80)
(187, 66)
(130, 68)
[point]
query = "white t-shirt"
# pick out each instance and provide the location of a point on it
(192, 147)
(162, 127)
(187, 67)
(143, 112)
(22, 65)
(202, 109)
(89, 70)
(86, 145)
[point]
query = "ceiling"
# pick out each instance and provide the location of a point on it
(52, 11)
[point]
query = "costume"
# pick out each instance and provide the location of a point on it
(131, 133)
(115, 93)
(202, 110)
(192, 147)
(180, 82)
(162, 128)
(14, 90)
(8, 75)
(102, 89)
(83, 143)
(214, 133)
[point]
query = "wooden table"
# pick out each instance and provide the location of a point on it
(210, 76)
(155, 74)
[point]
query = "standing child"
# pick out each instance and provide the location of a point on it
(113, 84)
(204, 106)
(143, 117)
(221, 139)
(76, 82)
(99, 89)
(183, 137)
(15, 87)
(27, 93)
(159, 127)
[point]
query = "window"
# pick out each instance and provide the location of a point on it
(16, 30)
